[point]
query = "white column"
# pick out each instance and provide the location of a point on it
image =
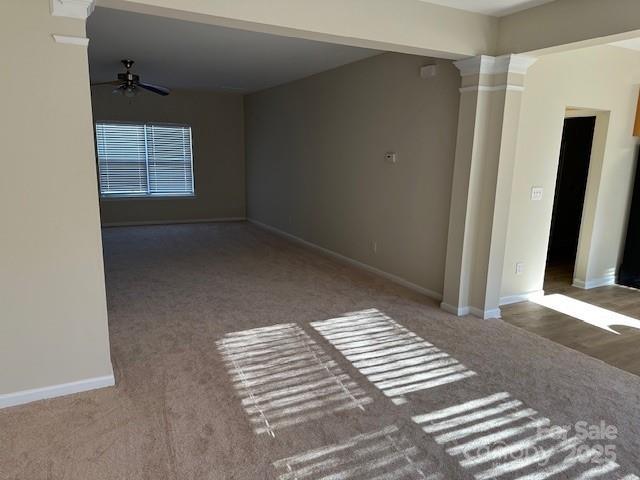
(490, 98)
(53, 317)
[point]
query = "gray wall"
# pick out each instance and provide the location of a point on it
(216, 121)
(315, 162)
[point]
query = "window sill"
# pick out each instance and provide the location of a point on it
(124, 198)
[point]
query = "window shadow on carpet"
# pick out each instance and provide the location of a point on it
(284, 378)
(497, 436)
(384, 454)
(394, 359)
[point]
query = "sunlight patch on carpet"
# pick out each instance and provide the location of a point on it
(284, 378)
(499, 437)
(394, 359)
(380, 455)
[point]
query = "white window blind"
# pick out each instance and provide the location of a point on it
(137, 160)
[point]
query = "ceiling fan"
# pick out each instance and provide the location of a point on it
(128, 84)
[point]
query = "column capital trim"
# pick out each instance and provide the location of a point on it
(492, 88)
(81, 41)
(487, 65)
(72, 8)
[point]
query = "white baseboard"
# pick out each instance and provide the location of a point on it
(476, 312)
(523, 297)
(28, 396)
(350, 261)
(457, 311)
(174, 222)
(595, 282)
(485, 314)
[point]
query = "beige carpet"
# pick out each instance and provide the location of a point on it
(354, 378)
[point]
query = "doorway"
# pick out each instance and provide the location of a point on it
(571, 185)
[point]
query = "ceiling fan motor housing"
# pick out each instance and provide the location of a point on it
(129, 83)
(129, 77)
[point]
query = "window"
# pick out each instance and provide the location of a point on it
(144, 160)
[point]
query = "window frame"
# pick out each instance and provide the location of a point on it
(111, 197)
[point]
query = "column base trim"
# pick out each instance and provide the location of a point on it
(457, 311)
(495, 313)
(523, 297)
(476, 312)
(595, 282)
(27, 396)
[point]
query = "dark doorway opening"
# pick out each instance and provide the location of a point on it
(571, 186)
(629, 274)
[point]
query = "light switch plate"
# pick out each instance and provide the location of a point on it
(536, 193)
(428, 71)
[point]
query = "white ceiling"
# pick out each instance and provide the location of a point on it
(179, 54)
(497, 8)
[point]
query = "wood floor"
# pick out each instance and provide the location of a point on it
(622, 350)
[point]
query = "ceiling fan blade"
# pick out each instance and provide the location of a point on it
(154, 88)
(112, 82)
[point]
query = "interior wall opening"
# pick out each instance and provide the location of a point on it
(571, 186)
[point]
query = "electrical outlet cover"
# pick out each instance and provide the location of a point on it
(536, 193)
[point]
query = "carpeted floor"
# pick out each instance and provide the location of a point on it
(354, 378)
